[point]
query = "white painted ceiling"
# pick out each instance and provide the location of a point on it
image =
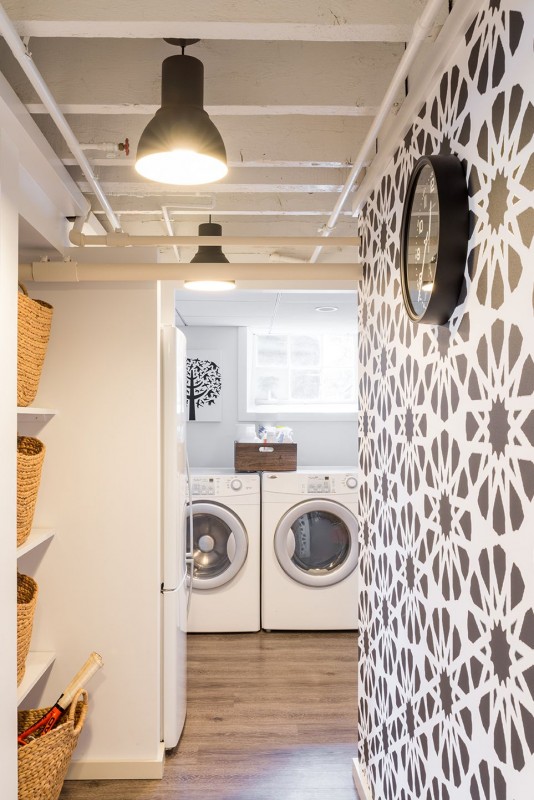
(292, 86)
(270, 311)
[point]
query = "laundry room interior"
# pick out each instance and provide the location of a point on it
(267, 324)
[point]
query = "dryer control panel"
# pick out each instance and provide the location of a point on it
(329, 484)
(310, 482)
(320, 485)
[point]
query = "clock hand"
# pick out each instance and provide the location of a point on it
(427, 239)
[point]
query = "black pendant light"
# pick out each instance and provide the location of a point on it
(180, 144)
(209, 254)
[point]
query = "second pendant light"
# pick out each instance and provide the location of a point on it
(209, 254)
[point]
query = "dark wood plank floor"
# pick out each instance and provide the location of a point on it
(270, 716)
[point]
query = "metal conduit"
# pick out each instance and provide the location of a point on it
(9, 32)
(421, 30)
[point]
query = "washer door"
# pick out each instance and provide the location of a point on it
(220, 545)
(316, 543)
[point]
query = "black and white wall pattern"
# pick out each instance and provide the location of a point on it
(446, 429)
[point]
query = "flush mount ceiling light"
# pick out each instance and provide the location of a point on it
(180, 144)
(327, 309)
(209, 254)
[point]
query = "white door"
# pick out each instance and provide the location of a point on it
(220, 545)
(316, 543)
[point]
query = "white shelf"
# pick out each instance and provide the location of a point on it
(36, 666)
(36, 537)
(33, 414)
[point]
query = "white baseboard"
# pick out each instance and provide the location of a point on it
(360, 781)
(117, 770)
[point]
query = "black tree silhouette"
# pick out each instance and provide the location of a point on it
(203, 384)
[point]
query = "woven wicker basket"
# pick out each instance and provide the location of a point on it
(30, 456)
(26, 601)
(44, 762)
(34, 321)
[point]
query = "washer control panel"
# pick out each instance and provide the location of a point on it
(223, 485)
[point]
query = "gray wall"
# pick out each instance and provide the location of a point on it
(211, 444)
(446, 696)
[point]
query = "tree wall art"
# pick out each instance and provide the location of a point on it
(204, 385)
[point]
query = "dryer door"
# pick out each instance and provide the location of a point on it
(220, 545)
(316, 543)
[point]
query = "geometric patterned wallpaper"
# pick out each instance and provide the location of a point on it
(446, 453)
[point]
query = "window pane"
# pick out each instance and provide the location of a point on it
(338, 385)
(270, 386)
(305, 351)
(340, 351)
(271, 350)
(305, 386)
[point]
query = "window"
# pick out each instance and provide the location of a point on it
(298, 374)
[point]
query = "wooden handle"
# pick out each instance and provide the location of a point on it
(92, 665)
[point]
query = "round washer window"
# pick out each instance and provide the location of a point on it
(316, 543)
(220, 545)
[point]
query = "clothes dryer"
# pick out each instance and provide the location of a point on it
(309, 550)
(225, 544)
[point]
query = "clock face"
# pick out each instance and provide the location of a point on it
(422, 241)
(434, 237)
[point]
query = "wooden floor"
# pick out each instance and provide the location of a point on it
(271, 716)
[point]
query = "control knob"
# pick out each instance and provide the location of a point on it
(236, 484)
(351, 482)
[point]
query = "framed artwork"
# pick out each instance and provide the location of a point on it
(204, 386)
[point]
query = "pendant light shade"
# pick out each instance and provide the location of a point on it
(180, 144)
(209, 254)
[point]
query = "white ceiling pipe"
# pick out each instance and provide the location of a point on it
(73, 272)
(127, 240)
(421, 30)
(106, 147)
(15, 44)
(170, 230)
(433, 65)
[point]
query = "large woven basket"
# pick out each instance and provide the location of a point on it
(30, 456)
(26, 601)
(44, 762)
(34, 321)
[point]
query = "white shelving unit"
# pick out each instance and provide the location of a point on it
(37, 536)
(31, 419)
(33, 414)
(36, 666)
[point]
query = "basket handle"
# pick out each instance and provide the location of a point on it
(23, 289)
(83, 696)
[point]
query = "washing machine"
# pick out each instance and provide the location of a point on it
(225, 544)
(309, 550)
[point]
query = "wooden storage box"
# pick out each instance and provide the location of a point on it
(269, 457)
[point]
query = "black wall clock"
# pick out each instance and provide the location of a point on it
(434, 236)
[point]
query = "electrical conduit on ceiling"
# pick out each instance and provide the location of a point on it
(421, 30)
(15, 44)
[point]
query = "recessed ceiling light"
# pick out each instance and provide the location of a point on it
(327, 309)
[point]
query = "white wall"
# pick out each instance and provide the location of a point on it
(99, 578)
(211, 444)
